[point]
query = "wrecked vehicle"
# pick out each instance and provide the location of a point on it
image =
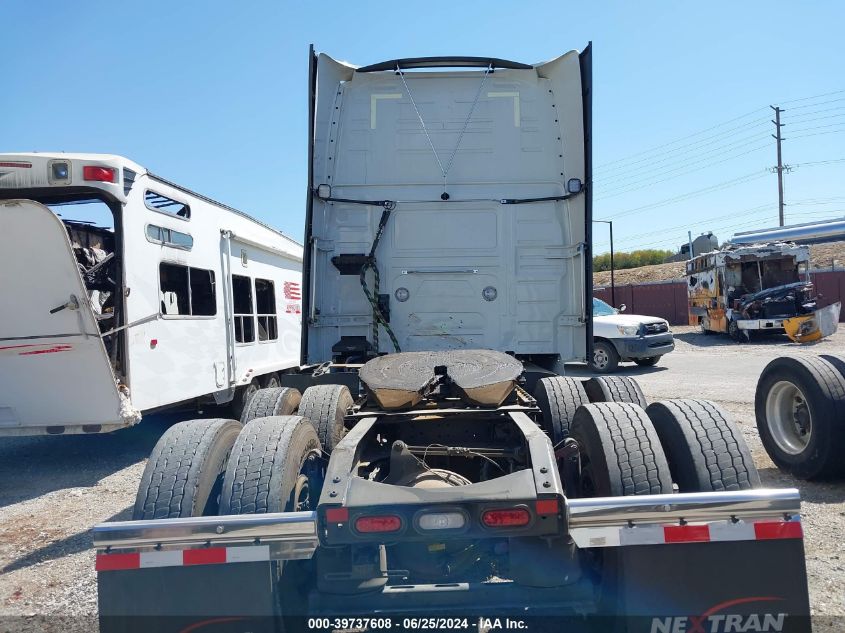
(169, 298)
(416, 482)
(757, 288)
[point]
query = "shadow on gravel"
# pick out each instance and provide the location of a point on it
(34, 466)
(760, 339)
(79, 542)
(626, 369)
(832, 491)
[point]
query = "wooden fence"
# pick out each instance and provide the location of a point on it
(669, 299)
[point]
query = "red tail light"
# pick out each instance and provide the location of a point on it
(100, 174)
(337, 515)
(387, 523)
(511, 517)
(547, 506)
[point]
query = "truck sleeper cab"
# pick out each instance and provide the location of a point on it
(177, 299)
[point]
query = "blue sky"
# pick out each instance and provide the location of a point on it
(213, 95)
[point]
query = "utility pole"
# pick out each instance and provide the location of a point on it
(779, 138)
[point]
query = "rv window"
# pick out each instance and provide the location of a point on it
(157, 202)
(242, 303)
(265, 298)
(169, 237)
(173, 282)
(203, 294)
(186, 291)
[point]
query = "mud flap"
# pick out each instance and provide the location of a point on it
(815, 326)
(712, 587)
(206, 598)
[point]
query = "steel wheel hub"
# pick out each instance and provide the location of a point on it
(789, 418)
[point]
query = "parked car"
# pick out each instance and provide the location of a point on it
(627, 337)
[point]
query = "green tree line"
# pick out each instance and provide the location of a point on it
(634, 259)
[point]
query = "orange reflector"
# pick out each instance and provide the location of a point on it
(514, 517)
(337, 515)
(547, 506)
(387, 523)
(100, 174)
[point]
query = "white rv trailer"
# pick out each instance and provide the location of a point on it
(184, 299)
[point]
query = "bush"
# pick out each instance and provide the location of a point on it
(634, 259)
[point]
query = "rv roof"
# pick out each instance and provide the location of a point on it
(138, 169)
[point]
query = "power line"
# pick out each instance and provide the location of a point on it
(630, 174)
(716, 187)
(825, 94)
(642, 185)
(683, 138)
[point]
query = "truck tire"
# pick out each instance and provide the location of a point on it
(800, 409)
(620, 452)
(705, 450)
(242, 397)
(270, 381)
(326, 406)
(836, 361)
(185, 470)
(558, 397)
(651, 361)
(605, 357)
(266, 471)
(615, 389)
(271, 401)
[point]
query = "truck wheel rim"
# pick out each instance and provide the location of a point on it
(788, 416)
(600, 358)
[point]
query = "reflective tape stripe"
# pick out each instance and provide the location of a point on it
(179, 558)
(765, 530)
(110, 562)
(210, 556)
(161, 559)
(686, 533)
(658, 534)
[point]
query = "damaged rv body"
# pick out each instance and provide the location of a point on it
(758, 287)
(156, 297)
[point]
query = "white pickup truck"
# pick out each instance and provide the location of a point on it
(618, 337)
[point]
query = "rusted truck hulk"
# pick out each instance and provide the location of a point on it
(744, 289)
(460, 479)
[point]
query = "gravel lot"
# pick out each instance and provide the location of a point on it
(55, 488)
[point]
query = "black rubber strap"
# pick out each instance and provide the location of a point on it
(546, 199)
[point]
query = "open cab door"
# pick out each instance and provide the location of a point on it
(55, 374)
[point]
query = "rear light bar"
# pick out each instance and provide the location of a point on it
(506, 517)
(441, 521)
(382, 523)
(19, 165)
(99, 174)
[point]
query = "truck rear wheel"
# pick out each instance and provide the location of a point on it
(615, 389)
(185, 471)
(620, 452)
(558, 397)
(800, 409)
(269, 469)
(326, 406)
(705, 450)
(271, 401)
(243, 395)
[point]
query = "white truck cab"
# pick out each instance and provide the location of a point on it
(627, 337)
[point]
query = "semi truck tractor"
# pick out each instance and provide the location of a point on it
(428, 466)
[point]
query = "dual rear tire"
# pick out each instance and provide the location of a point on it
(270, 461)
(629, 447)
